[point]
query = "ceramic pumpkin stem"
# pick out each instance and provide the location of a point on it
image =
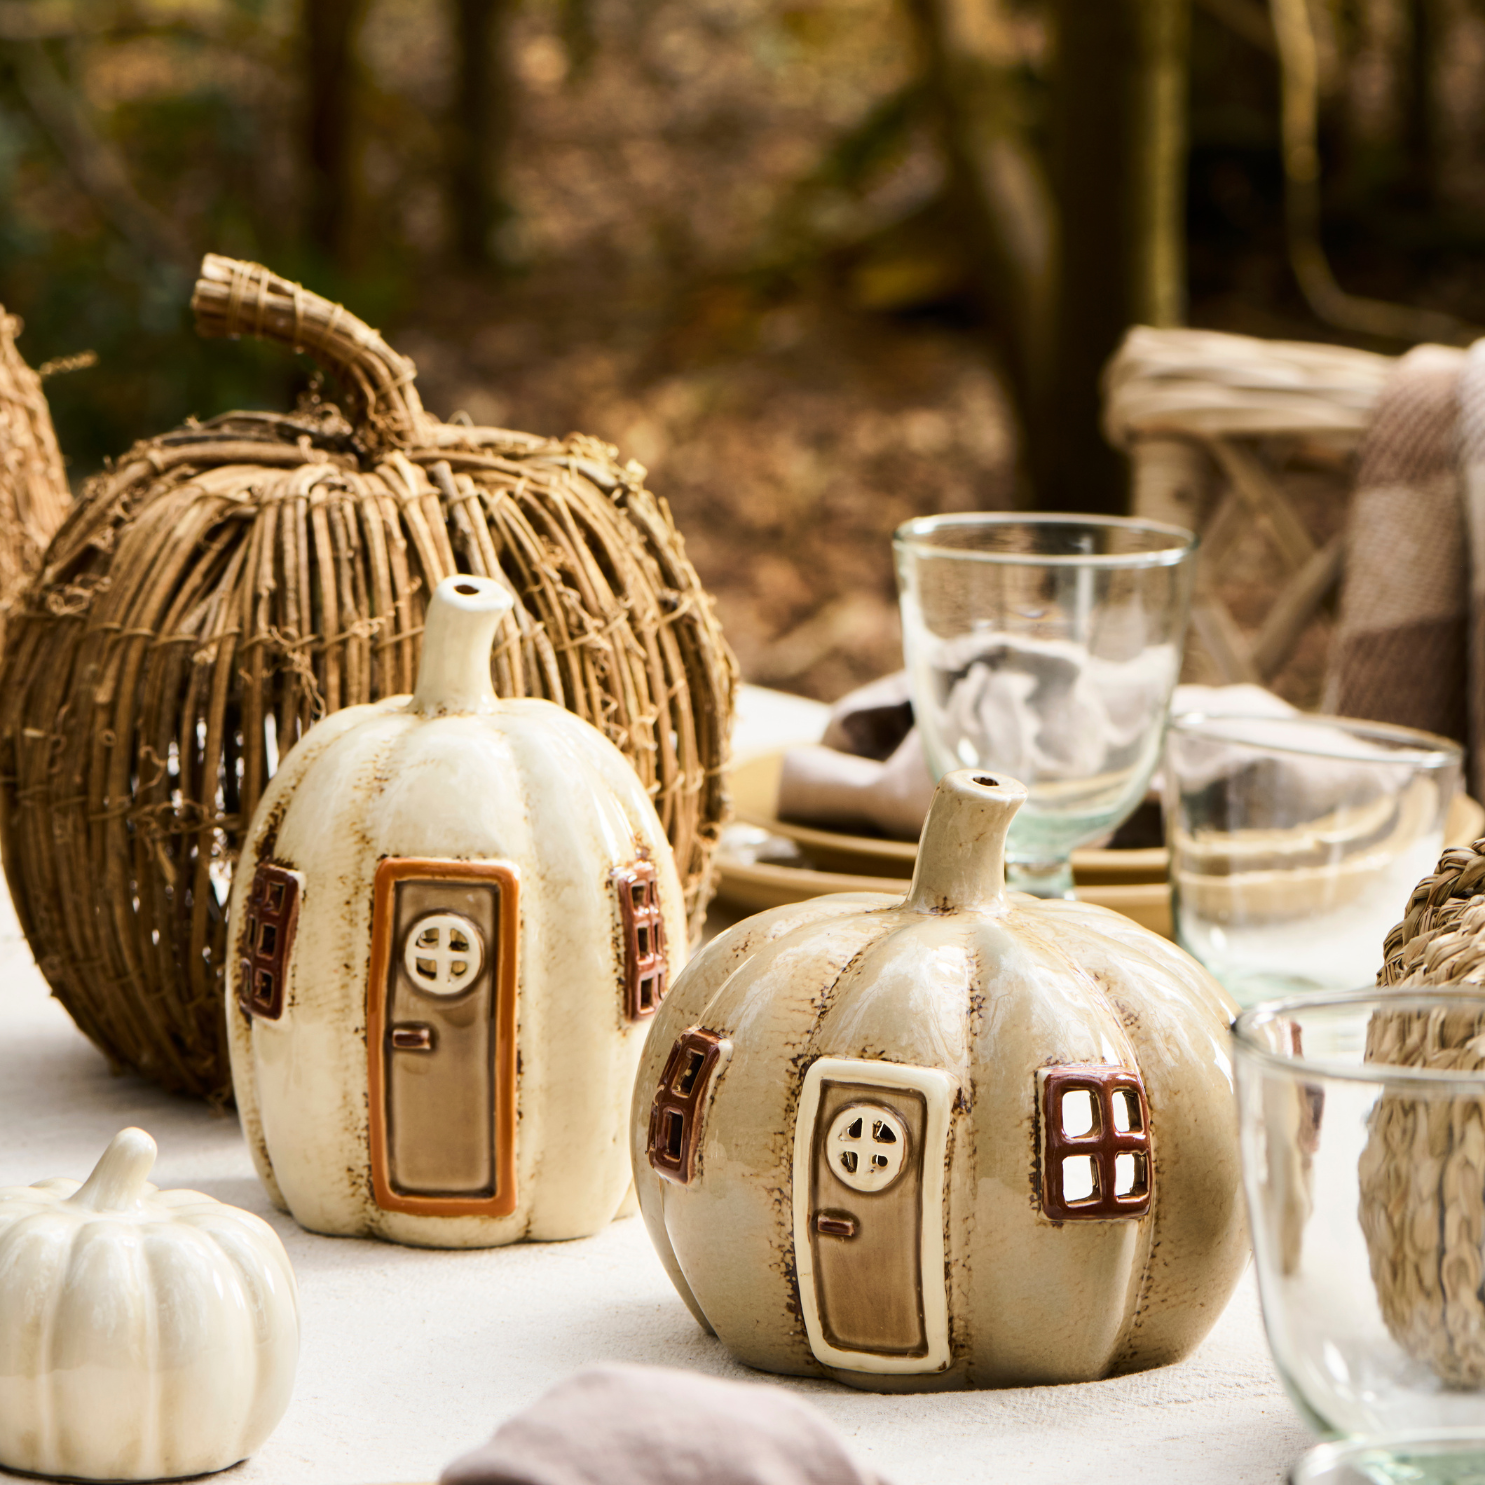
(118, 1179)
(454, 671)
(961, 856)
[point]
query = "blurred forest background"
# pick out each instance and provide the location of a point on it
(820, 265)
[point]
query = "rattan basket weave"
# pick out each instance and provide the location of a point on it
(226, 584)
(33, 487)
(1422, 1172)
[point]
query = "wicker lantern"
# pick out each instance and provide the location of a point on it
(33, 487)
(227, 583)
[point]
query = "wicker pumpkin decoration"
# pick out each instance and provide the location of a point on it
(1422, 1172)
(33, 486)
(226, 584)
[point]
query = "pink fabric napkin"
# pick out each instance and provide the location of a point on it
(648, 1425)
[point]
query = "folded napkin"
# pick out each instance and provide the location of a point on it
(1410, 632)
(647, 1425)
(868, 770)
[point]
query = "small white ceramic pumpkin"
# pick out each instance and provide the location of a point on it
(451, 923)
(144, 1334)
(969, 1138)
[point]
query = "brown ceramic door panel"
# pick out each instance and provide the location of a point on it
(866, 1218)
(441, 1037)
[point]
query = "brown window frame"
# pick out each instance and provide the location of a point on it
(1104, 1143)
(646, 965)
(675, 1115)
(272, 907)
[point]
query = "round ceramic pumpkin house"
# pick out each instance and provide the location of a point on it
(451, 923)
(962, 1139)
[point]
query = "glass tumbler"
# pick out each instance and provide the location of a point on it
(1296, 841)
(1362, 1121)
(1046, 647)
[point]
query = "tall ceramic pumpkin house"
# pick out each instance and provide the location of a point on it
(452, 922)
(968, 1138)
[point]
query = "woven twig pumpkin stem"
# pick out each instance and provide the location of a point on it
(234, 298)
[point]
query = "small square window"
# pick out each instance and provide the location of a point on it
(675, 1116)
(643, 930)
(1096, 1154)
(1079, 1178)
(266, 939)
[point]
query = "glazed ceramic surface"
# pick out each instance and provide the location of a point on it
(968, 1138)
(144, 1334)
(451, 925)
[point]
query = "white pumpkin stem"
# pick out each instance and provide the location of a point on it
(961, 856)
(118, 1178)
(454, 673)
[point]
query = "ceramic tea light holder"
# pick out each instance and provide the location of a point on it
(451, 924)
(144, 1334)
(968, 1138)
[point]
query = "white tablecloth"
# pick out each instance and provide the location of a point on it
(411, 1356)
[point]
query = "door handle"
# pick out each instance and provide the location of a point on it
(841, 1227)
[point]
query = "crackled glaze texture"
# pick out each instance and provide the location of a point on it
(144, 1334)
(485, 912)
(841, 1131)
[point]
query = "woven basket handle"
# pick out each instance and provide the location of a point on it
(234, 298)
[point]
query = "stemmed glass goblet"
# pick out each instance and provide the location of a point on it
(1046, 647)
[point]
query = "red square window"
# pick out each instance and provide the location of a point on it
(1096, 1143)
(644, 939)
(675, 1115)
(267, 935)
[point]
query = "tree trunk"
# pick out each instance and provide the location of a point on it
(997, 185)
(332, 145)
(479, 129)
(1067, 258)
(1118, 178)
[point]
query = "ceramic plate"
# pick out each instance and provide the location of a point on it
(1130, 882)
(755, 790)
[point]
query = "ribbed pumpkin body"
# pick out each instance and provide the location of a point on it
(521, 823)
(151, 1341)
(224, 586)
(952, 1027)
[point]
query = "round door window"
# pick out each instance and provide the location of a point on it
(443, 954)
(867, 1146)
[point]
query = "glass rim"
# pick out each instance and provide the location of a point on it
(1416, 745)
(1381, 997)
(1438, 1443)
(916, 536)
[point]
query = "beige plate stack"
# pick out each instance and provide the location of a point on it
(1131, 882)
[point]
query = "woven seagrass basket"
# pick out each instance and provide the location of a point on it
(1422, 1172)
(33, 486)
(226, 584)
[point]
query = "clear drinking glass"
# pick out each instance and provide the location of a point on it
(1295, 842)
(1046, 647)
(1362, 1122)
